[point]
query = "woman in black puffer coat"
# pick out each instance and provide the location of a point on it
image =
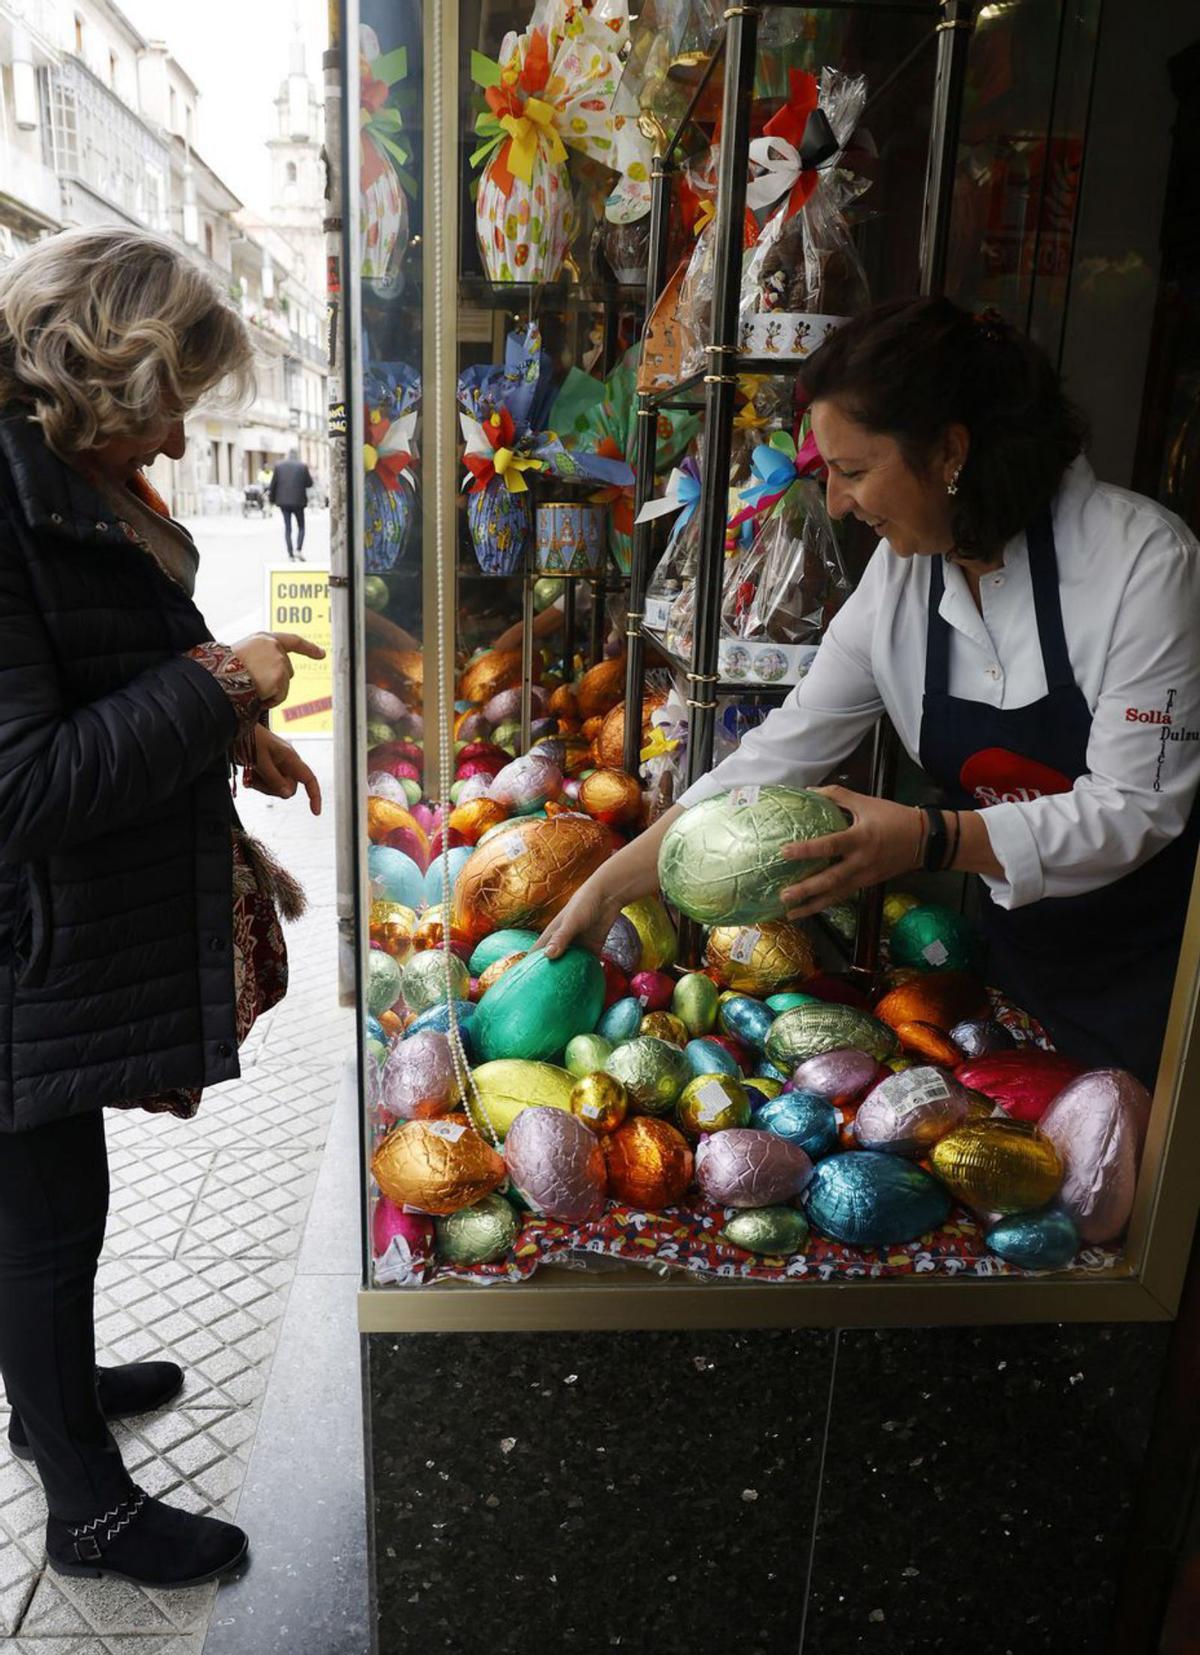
(138, 929)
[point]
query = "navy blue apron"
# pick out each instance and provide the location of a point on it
(1097, 969)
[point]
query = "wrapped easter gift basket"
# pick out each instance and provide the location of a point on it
(385, 157)
(392, 397)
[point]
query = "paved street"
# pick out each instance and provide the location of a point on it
(235, 552)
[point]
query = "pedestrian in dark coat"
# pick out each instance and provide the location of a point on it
(138, 925)
(290, 483)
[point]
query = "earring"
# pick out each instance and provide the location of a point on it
(952, 485)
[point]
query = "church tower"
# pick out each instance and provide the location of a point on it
(297, 178)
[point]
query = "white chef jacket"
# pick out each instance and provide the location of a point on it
(1129, 581)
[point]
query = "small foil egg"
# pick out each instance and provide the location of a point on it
(392, 925)
(924, 1040)
(438, 1017)
(942, 998)
(649, 1164)
(761, 1089)
(526, 784)
(395, 875)
(418, 1080)
(436, 1166)
(653, 988)
(843, 1073)
(612, 796)
(803, 1118)
(772, 1231)
(866, 1199)
(810, 1030)
(907, 1113)
(707, 1057)
(746, 1019)
(1097, 1124)
(556, 1164)
(935, 938)
(478, 1234)
(981, 1038)
(996, 1165)
(623, 945)
(600, 1101)
(402, 1243)
(712, 1103)
(761, 958)
(744, 1167)
(620, 1021)
(432, 978)
(694, 1001)
(1046, 1240)
(586, 1053)
(383, 981)
(664, 1026)
(656, 934)
(653, 1073)
(789, 1000)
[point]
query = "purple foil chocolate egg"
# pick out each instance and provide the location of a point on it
(623, 945)
(474, 727)
(1097, 1124)
(556, 1164)
(385, 704)
(418, 1080)
(746, 1168)
(837, 1074)
(907, 1113)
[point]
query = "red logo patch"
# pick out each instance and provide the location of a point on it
(996, 776)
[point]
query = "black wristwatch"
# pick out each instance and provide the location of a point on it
(936, 839)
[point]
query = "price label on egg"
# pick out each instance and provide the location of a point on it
(713, 1103)
(744, 944)
(450, 1130)
(514, 846)
(920, 1086)
(935, 952)
(745, 795)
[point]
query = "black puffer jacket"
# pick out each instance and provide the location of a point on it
(116, 948)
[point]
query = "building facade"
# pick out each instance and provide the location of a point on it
(99, 124)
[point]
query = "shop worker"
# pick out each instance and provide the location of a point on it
(139, 935)
(1033, 636)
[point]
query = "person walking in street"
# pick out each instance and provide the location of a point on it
(290, 483)
(139, 926)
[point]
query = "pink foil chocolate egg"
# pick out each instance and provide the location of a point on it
(1024, 1082)
(418, 1081)
(384, 704)
(845, 1074)
(486, 766)
(405, 767)
(746, 1168)
(527, 783)
(424, 817)
(404, 1239)
(1097, 1123)
(906, 1114)
(556, 1164)
(653, 988)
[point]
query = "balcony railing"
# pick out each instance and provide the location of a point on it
(31, 184)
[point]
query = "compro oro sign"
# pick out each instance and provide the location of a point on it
(299, 602)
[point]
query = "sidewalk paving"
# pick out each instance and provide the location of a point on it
(204, 1233)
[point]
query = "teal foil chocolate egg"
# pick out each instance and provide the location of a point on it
(585, 1053)
(867, 1199)
(432, 978)
(383, 981)
(438, 1017)
(496, 946)
(538, 1005)
(933, 938)
(746, 1019)
(653, 1072)
(621, 1021)
(803, 1118)
(478, 1234)
(1045, 1240)
(721, 862)
(694, 1001)
(705, 1057)
(766, 1070)
(789, 1000)
(774, 1231)
(808, 1031)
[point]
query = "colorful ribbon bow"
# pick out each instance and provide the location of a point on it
(776, 466)
(796, 141)
(682, 494)
(491, 453)
(380, 138)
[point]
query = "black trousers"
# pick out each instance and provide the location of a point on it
(53, 1207)
(288, 513)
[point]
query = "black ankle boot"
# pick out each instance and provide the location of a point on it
(143, 1540)
(135, 1388)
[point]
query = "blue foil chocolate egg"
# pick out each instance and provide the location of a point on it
(766, 1070)
(803, 1118)
(867, 1199)
(746, 1019)
(706, 1057)
(1046, 1240)
(621, 1021)
(438, 1017)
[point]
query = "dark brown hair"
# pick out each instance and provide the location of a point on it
(911, 368)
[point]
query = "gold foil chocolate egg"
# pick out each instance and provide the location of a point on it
(436, 1166)
(496, 970)
(694, 1001)
(478, 1234)
(760, 959)
(652, 1072)
(390, 823)
(612, 797)
(663, 1025)
(655, 932)
(649, 1164)
(722, 861)
(472, 820)
(998, 1166)
(525, 873)
(510, 1084)
(392, 925)
(808, 1031)
(601, 1102)
(712, 1103)
(942, 998)
(499, 669)
(895, 905)
(773, 1231)
(601, 687)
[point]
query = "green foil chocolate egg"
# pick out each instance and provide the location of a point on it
(424, 982)
(721, 862)
(383, 981)
(694, 1002)
(789, 1001)
(775, 1231)
(508, 941)
(807, 1031)
(478, 1234)
(932, 938)
(653, 1072)
(712, 1103)
(538, 1005)
(586, 1053)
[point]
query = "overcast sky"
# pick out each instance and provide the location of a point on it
(236, 51)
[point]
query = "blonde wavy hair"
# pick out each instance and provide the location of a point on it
(107, 332)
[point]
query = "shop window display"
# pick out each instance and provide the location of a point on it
(716, 1095)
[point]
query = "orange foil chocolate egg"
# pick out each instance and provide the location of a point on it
(649, 1163)
(592, 727)
(400, 670)
(472, 820)
(611, 796)
(499, 669)
(600, 688)
(929, 1042)
(436, 1166)
(493, 973)
(526, 872)
(563, 703)
(760, 959)
(942, 998)
(610, 743)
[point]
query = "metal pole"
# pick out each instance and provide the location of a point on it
(527, 655)
(568, 629)
(596, 626)
(720, 382)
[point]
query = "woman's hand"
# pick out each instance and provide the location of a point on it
(587, 919)
(884, 840)
(278, 770)
(266, 656)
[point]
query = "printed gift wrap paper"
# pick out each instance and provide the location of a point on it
(392, 394)
(384, 158)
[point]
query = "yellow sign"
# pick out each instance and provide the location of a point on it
(298, 601)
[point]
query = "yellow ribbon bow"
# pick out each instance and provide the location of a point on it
(527, 131)
(658, 745)
(509, 467)
(705, 214)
